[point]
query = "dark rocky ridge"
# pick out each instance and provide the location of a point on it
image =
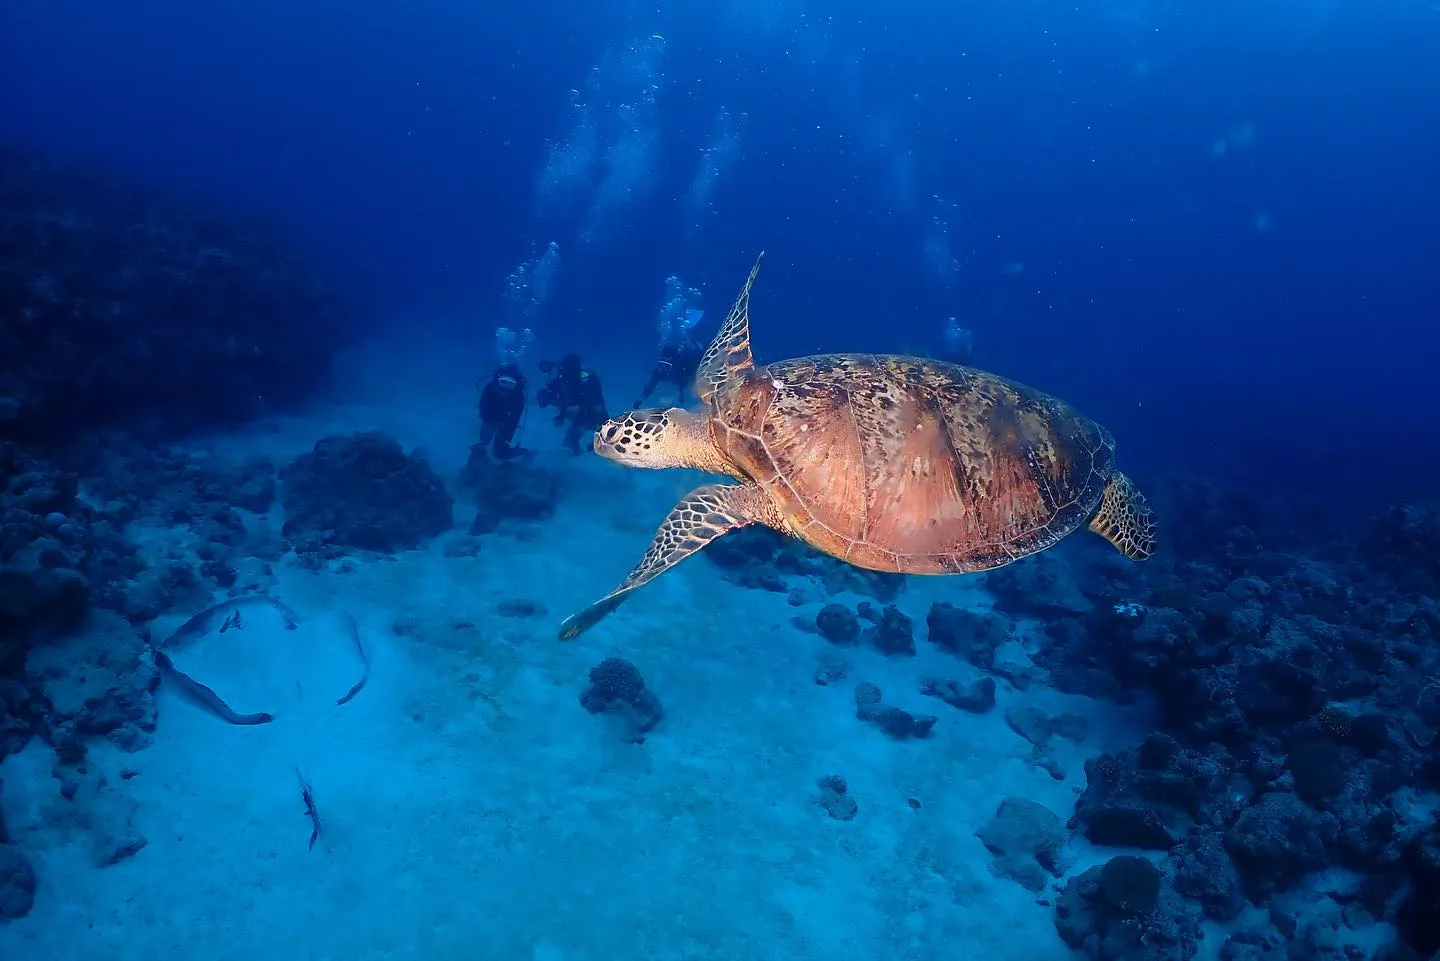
(122, 307)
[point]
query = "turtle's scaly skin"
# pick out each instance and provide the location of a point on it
(911, 465)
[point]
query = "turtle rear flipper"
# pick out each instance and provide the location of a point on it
(728, 356)
(704, 514)
(1125, 518)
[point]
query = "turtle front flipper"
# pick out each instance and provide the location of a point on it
(728, 355)
(1125, 518)
(706, 513)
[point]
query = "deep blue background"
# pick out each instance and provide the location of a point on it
(406, 141)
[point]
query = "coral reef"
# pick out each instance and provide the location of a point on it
(58, 555)
(364, 492)
(1026, 840)
(1121, 910)
(760, 558)
(896, 722)
(1292, 678)
(513, 492)
(616, 688)
(121, 307)
(93, 546)
(890, 631)
(95, 681)
(834, 798)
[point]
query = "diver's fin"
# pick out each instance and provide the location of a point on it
(704, 514)
(728, 355)
(1125, 518)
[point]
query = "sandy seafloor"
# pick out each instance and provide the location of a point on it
(473, 809)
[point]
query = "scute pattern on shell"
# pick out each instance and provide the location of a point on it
(914, 465)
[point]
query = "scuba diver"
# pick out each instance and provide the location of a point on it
(502, 405)
(575, 394)
(959, 342)
(677, 365)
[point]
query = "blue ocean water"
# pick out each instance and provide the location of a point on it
(259, 263)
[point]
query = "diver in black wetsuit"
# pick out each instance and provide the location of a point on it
(677, 365)
(576, 395)
(502, 405)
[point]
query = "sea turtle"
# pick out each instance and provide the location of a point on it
(890, 463)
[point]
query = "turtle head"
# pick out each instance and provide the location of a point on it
(647, 438)
(663, 438)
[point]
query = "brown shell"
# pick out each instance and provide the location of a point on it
(913, 465)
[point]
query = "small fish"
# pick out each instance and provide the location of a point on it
(308, 796)
(232, 622)
(364, 657)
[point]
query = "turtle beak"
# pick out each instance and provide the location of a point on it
(613, 440)
(606, 437)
